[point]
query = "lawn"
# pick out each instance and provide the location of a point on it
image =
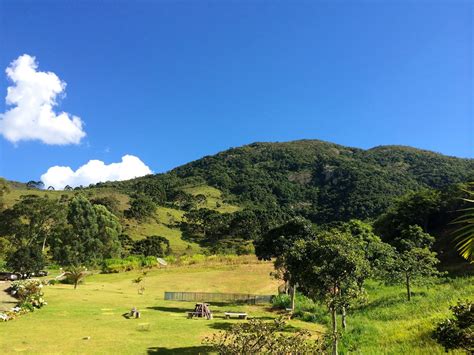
(95, 310)
(387, 324)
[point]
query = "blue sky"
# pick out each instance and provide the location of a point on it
(172, 81)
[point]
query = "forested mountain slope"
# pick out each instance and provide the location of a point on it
(319, 180)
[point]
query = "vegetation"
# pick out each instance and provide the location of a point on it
(457, 332)
(330, 268)
(386, 323)
(152, 246)
(412, 260)
(465, 234)
(76, 275)
(259, 337)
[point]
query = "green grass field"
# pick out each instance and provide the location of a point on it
(95, 310)
(388, 324)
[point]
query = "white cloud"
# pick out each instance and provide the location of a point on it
(33, 97)
(95, 171)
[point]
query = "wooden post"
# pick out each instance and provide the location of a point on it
(408, 286)
(293, 298)
(334, 329)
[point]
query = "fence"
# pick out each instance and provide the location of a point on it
(217, 297)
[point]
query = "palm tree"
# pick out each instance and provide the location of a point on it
(465, 234)
(76, 274)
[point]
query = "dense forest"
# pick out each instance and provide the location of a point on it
(320, 181)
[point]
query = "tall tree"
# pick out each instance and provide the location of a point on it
(92, 234)
(330, 268)
(278, 242)
(31, 221)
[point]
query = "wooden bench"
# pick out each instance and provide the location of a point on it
(228, 315)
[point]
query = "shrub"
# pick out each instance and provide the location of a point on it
(152, 246)
(29, 293)
(282, 301)
(457, 332)
(26, 260)
(261, 337)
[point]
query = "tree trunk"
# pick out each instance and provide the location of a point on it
(334, 329)
(408, 286)
(293, 298)
(344, 321)
(75, 284)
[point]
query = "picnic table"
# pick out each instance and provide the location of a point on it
(201, 310)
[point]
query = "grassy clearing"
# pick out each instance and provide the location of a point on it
(13, 196)
(163, 225)
(95, 310)
(389, 324)
(214, 199)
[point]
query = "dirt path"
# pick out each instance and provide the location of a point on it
(6, 301)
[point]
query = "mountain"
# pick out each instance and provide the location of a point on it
(319, 180)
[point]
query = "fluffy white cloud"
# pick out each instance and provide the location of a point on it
(95, 171)
(33, 97)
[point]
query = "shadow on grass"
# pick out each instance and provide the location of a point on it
(229, 323)
(171, 309)
(387, 301)
(202, 349)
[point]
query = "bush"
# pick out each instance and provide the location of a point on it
(282, 301)
(457, 332)
(26, 260)
(261, 337)
(152, 246)
(29, 293)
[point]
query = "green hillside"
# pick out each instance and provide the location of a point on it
(165, 221)
(319, 180)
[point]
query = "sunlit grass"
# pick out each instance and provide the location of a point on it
(95, 310)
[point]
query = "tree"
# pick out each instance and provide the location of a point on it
(141, 207)
(278, 242)
(76, 274)
(152, 246)
(139, 281)
(34, 184)
(414, 208)
(4, 189)
(31, 221)
(110, 202)
(126, 244)
(413, 261)
(91, 236)
(26, 260)
(330, 267)
(464, 235)
(457, 332)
